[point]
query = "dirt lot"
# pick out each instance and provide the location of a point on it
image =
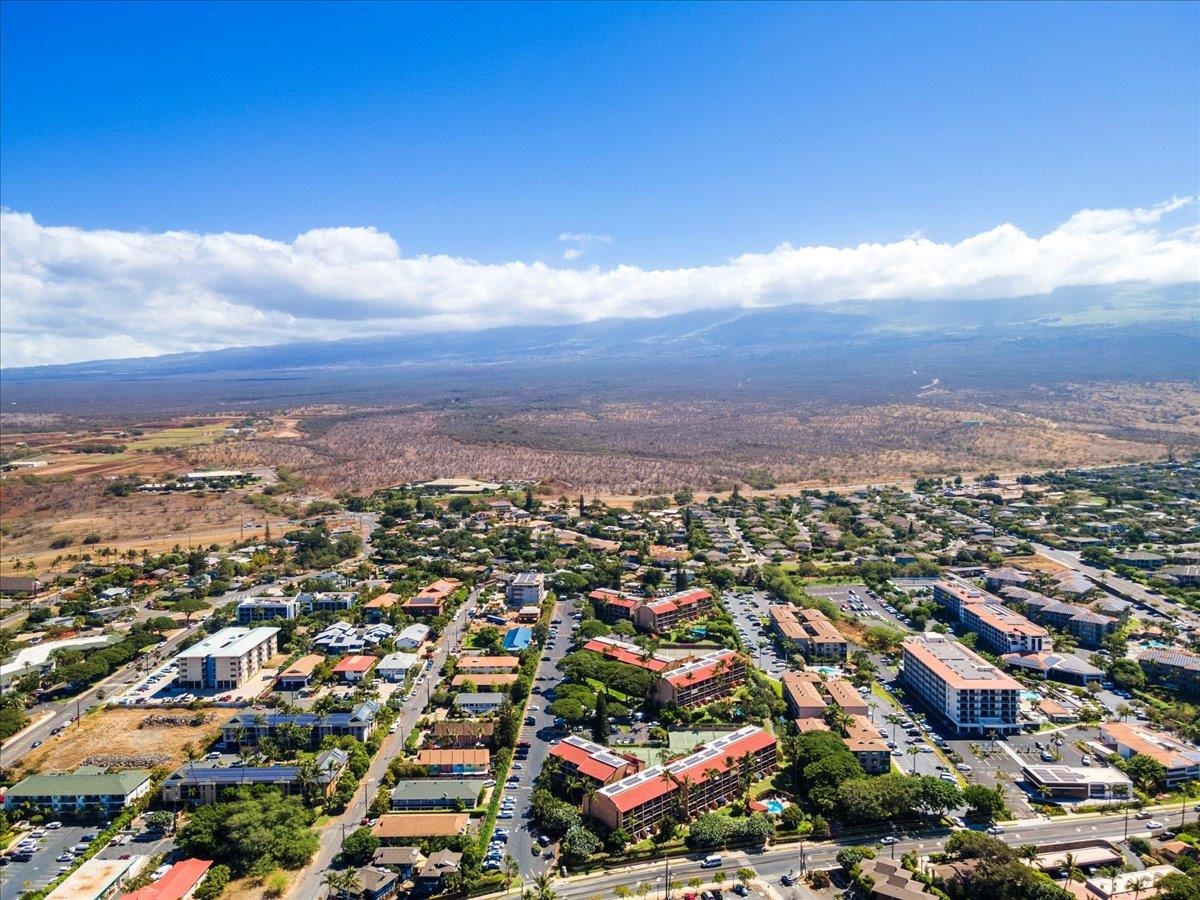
(1037, 564)
(119, 733)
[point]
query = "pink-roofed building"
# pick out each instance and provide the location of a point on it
(179, 883)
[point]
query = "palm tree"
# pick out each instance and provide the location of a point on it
(1071, 870)
(542, 887)
(894, 720)
(1138, 885)
(914, 752)
(1028, 852)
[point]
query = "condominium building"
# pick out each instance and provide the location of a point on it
(1181, 761)
(803, 699)
(88, 791)
(807, 631)
(612, 606)
(845, 695)
(701, 680)
(198, 785)
(262, 609)
(629, 654)
(1172, 668)
(959, 687)
(527, 589)
(1004, 631)
(707, 779)
(871, 751)
(664, 614)
(227, 659)
(597, 766)
(954, 595)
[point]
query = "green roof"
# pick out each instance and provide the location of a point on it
(80, 784)
(430, 789)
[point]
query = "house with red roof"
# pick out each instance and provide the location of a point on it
(702, 680)
(431, 599)
(354, 667)
(596, 765)
(179, 883)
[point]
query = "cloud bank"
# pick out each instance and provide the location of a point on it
(69, 294)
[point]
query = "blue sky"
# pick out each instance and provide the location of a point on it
(187, 177)
(687, 133)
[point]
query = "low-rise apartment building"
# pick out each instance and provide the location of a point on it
(845, 695)
(198, 785)
(630, 654)
(707, 779)
(959, 687)
(1172, 669)
(462, 733)
(803, 699)
(455, 762)
(871, 751)
(89, 791)
(227, 659)
(431, 600)
(664, 614)
(808, 632)
(262, 609)
(487, 665)
(1181, 761)
(612, 606)
(596, 766)
(701, 680)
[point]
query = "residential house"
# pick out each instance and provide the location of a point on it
(297, 676)
(379, 609)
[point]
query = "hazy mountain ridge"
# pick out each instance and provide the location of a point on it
(860, 349)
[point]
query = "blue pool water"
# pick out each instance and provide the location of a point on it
(774, 807)
(1031, 696)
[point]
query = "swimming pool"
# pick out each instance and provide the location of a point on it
(774, 807)
(1031, 696)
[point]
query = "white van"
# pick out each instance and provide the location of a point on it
(711, 862)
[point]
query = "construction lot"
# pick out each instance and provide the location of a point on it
(129, 738)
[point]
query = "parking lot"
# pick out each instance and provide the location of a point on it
(748, 610)
(18, 877)
(858, 600)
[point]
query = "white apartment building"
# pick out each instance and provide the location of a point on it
(527, 589)
(959, 687)
(227, 659)
(1003, 631)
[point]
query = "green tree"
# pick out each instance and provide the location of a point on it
(360, 845)
(1146, 772)
(985, 802)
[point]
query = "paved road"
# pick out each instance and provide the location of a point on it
(749, 553)
(309, 886)
(522, 844)
(773, 864)
(67, 709)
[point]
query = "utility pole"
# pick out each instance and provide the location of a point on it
(1126, 823)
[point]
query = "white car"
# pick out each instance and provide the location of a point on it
(1154, 825)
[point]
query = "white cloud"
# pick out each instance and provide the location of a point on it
(584, 238)
(69, 294)
(572, 253)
